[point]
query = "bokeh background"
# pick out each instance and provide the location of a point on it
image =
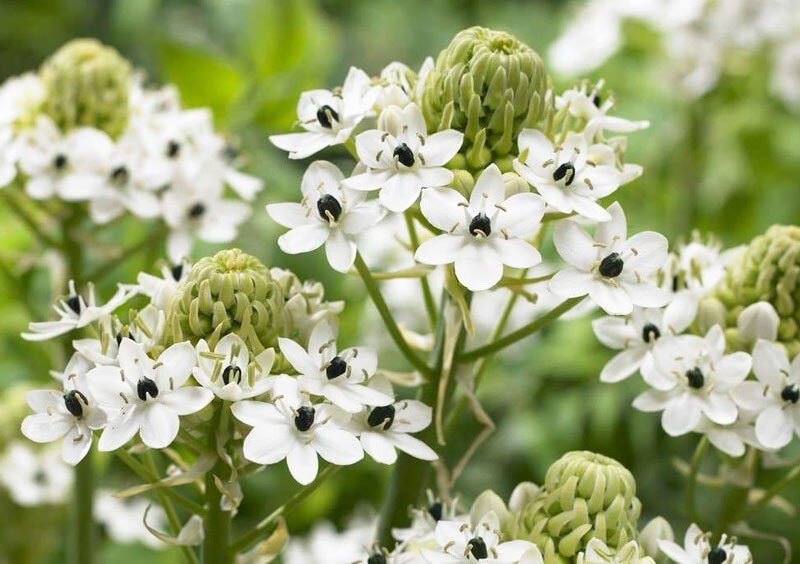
(727, 163)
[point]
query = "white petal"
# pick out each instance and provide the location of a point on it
(297, 356)
(681, 415)
(769, 362)
(186, 401)
(400, 191)
(302, 145)
(44, 428)
(442, 249)
(774, 427)
(623, 365)
(257, 413)
(750, 395)
(613, 299)
(177, 363)
(107, 387)
(649, 253)
(76, 444)
(159, 425)
(337, 446)
(516, 253)
(442, 207)
(303, 239)
(720, 408)
(340, 250)
(478, 267)
(522, 214)
(289, 215)
(268, 444)
(570, 283)
(537, 144)
(378, 447)
(758, 321)
(574, 245)
(120, 430)
(440, 147)
(488, 190)
(615, 230)
(303, 463)
(615, 332)
(412, 446)
(644, 293)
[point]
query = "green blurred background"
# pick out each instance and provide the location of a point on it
(727, 163)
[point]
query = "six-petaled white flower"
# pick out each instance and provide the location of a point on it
(229, 372)
(482, 235)
(616, 272)
(35, 477)
(401, 157)
(328, 214)
(697, 549)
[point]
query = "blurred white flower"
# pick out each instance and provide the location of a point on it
(161, 289)
(35, 477)
(325, 544)
(123, 519)
(697, 549)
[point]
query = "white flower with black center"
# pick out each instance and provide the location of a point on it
(774, 396)
(589, 103)
(339, 377)
(145, 396)
(692, 376)
(74, 313)
(396, 87)
(101, 349)
(62, 165)
(35, 477)
(422, 531)
(482, 235)
(69, 414)
(616, 272)
(292, 428)
(570, 177)
(329, 117)
(697, 549)
(328, 214)
(634, 335)
(161, 289)
(461, 544)
(123, 519)
(229, 372)
(401, 157)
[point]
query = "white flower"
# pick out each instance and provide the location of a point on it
(161, 289)
(697, 549)
(123, 519)
(597, 552)
(74, 313)
(592, 106)
(63, 165)
(70, 415)
(293, 429)
(635, 335)
(775, 396)
(786, 73)
(615, 271)
(20, 99)
(228, 371)
(101, 349)
(35, 477)
(692, 377)
(146, 397)
(147, 328)
(461, 544)
(327, 214)
(329, 117)
(401, 157)
(593, 36)
(338, 377)
(325, 544)
(571, 177)
(481, 235)
(731, 439)
(422, 531)
(8, 156)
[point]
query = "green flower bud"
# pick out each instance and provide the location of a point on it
(585, 496)
(768, 270)
(489, 85)
(231, 292)
(87, 84)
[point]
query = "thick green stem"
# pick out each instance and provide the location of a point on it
(82, 538)
(217, 522)
(691, 482)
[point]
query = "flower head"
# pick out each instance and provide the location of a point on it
(229, 371)
(34, 477)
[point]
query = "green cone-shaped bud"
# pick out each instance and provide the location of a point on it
(231, 292)
(585, 496)
(87, 84)
(768, 270)
(489, 85)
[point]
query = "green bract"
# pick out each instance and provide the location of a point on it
(489, 85)
(231, 292)
(87, 84)
(768, 270)
(585, 496)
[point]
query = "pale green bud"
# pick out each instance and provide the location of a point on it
(463, 181)
(87, 84)
(489, 85)
(585, 496)
(488, 502)
(231, 292)
(656, 530)
(514, 184)
(768, 270)
(710, 312)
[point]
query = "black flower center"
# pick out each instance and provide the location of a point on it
(436, 510)
(650, 333)
(120, 175)
(146, 387)
(173, 149)
(74, 303)
(695, 378)
(304, 418)
(336, 368)
(611, 266)
(197, 210)
(377, 558)
(597, 100)
(74, 402)
(325, 114)
(229, 152)
(177, 271)
(329, 208)
(717, 555)
(565, 172)
(119, 339)
(477, 547)
(791, 393)
(404, 154)
(40, 478)
(480, 224)
(382, 415)
(60, 161)
(231, 374)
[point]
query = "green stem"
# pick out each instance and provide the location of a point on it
(754, 508)
(522, 332)
(28, 219)
(388, 320)
(268, 524)
(82, 538)
(217, 522)
(427, 296)
(691, 482)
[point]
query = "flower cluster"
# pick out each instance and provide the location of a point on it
(478, 150)
(700, 36)
(288, 382)
(718, 356)
(86, 129)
